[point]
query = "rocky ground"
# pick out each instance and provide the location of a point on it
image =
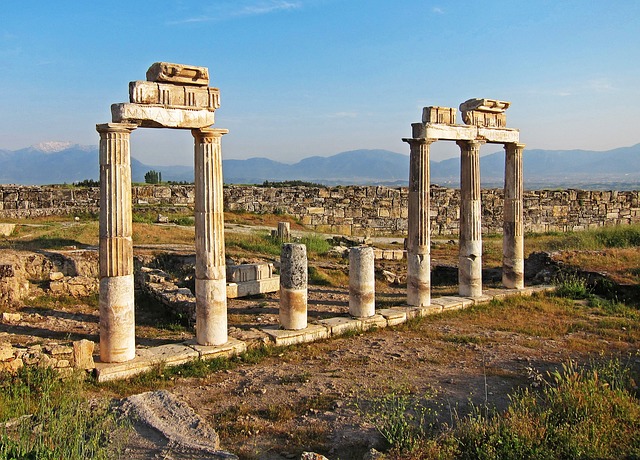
(314, 397)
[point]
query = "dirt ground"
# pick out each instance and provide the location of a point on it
(311, 397)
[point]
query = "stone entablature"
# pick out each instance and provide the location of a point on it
(382, 210)
(174, 96)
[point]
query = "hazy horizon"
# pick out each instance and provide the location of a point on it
(302, 78)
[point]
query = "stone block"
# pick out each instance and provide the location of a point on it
(449, 302)
(480, 299)
(393, 316)
(373, 322)
(233, 347)
(247, 288)
(6, 352)
(83, 354)
(146, 359)
(178, 73)
(9, 318)
(182, 97)
(158, 116)
(285, 337)
(7, 229)
(341, 325)
(443, 115)
(248, 272)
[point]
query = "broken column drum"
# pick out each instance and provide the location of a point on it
(293, 286)
(485, 122)
(173, 96)
(362, 282)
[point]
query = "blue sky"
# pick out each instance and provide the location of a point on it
(318, 77)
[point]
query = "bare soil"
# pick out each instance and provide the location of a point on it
(311, 397)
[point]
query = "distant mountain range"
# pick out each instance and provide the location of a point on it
(57, 163)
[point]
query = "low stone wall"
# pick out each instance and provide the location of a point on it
(354, 210)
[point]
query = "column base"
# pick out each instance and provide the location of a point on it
(293, 308)
(211, 312)
(117, 319)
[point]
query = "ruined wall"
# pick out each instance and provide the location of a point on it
(351, 210)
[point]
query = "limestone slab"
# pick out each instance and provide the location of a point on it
(480, 299)
(452, 302)
(499, 135)
(179, 97)
(448, 132)
(393, 316)
(235, 290)
(285, 337)
(146, 359)
(158, 116)
(341, 325)
(410, 312)
(432, 309)
(178, 73)
(499, 294)
(373, 322)
(233, 347)
(7, 229)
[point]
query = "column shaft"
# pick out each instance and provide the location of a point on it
(513, 237)
(362, 282)
(470, 256)
(293, 286)
(419, 231)
(211, 283)
(117, 322)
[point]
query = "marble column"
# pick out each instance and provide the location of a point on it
(293, 286)
(117, 322)
(470, 256)
(513, 238)
(362, 282)
(419, 231)
(211, 282)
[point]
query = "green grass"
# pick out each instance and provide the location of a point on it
(579, 413)
(619, 236)
(51, 418)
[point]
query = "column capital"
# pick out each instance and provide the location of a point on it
(418, 140)
(206, 135)
(116, 127)
(515, 145)
(470, 144)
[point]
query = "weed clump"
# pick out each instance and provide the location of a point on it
(43, 416)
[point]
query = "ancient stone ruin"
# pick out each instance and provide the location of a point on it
(173, 96)
(485, 123)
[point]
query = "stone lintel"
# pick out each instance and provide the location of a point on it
(499, 135)
(174, 96)
(178, 73)
(449, 132)
(157, 116)
(431, 132)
